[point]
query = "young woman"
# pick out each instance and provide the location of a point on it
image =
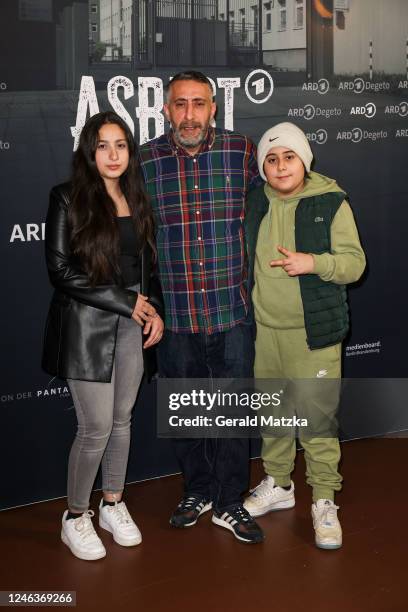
(106, 312)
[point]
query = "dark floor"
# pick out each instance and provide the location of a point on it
(205, 568)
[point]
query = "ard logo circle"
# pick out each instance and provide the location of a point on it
(324, 86)
(403, 109)
(356, 135)
(321, 136)
(309, 111)
(371, 110)
(260, 83)
(359, 85)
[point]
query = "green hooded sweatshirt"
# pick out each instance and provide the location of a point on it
(276, 296)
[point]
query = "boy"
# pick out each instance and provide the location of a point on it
(300, 308)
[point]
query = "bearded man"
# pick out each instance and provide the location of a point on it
(198, 177)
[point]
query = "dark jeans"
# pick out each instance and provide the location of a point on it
(215, 468)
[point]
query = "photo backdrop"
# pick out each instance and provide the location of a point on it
(338, 69)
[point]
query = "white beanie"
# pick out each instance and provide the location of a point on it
(284, 135)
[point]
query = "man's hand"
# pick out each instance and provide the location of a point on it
(294, 263)
(143, 310)
(154, 327)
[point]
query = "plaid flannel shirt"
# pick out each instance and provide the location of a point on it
(199, 204)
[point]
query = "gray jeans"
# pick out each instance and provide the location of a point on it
(104, 411)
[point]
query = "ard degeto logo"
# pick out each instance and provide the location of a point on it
(321, 86)
(259, 86)
(359, 85)
(305, 112)
(400, 109)
(319, 137)
(309, 112)
(356, 135)
(368, 110)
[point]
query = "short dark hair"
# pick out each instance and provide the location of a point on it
(189, 75)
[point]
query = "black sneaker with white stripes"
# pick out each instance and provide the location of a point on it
(240, 522)
(188, 511)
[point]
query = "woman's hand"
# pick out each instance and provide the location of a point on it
(154, 327)
(143, 310)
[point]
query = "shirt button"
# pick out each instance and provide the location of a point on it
(201, 263)
(202, 290)
(195, 186)
(197, 212)
(194, 161)
(199, 237)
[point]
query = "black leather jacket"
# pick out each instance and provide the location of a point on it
(82, 322)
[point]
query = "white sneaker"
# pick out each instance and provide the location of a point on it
(81, 538)
(267, 497)
(327, 527)
(118, 521)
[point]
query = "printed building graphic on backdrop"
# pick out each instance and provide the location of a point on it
(319, 38)
(322, 37)
(384, 24)
(295, 39)
(35, 10)
(200, 32)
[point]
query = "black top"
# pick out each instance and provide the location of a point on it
(129, 260)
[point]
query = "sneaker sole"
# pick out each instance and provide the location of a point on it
(81, 555)
(123, 542)
(221, 523)
(328, 546)
(272, 508)
(206, 508)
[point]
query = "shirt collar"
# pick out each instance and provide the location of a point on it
(179, 150)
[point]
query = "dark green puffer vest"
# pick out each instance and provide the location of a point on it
(324, 303)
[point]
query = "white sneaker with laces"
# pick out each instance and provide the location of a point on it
(117, 520)
(328, 534)
(267, 497)
(81, 538)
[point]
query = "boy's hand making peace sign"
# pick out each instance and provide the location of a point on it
(294, 263)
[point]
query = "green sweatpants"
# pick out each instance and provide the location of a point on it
(284, 354)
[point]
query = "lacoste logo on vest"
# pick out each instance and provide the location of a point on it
(321, 373)
(319, 219)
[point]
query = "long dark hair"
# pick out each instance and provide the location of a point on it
(94, 233)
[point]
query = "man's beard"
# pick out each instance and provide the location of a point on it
(190, 141)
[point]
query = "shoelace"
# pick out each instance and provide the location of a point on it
(329, 514)
(242, 515)
(121, 513)
(189, 503)
(263, 489)
(84, 525)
